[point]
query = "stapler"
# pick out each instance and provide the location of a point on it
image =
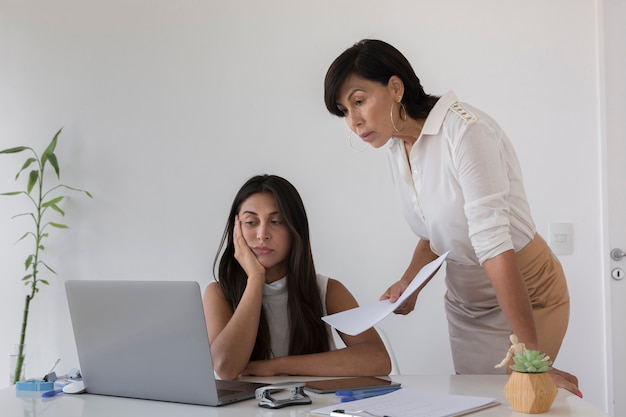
(297, 396)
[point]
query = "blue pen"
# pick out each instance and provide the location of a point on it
(344, 413)
(51, 393)
(348, 398)
(351, 393)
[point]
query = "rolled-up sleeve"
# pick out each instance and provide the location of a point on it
(484, 178)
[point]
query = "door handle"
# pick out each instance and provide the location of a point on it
(617, 254)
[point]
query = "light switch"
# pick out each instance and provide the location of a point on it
(561, 240)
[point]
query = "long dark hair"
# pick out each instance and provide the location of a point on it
(307, 331)
(375, 60)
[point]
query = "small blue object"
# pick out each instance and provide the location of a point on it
(347, 396)
(34, 385)
(377, 390)
(52, 393)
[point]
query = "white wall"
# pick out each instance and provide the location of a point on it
(167, 107)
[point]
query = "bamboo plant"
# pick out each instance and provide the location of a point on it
(43, 200)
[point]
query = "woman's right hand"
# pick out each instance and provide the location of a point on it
(244, 255)
(395, 291)
(421, 256)
(566, 380)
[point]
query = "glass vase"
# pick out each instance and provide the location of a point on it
(17, 363)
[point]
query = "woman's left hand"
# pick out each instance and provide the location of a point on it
(566, 380)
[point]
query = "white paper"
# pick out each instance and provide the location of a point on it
(359, 319)
(407, 402)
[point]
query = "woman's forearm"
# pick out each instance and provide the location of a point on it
(232, 346)
(422, 255)
(364, 359)
(513, 298)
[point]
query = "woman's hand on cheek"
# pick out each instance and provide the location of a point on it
(244, 255)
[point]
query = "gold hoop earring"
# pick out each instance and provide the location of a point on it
(352, 146)
(402, 110)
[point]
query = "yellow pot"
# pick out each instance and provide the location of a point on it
(530, 393)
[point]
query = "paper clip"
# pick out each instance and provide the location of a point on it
(297, 395)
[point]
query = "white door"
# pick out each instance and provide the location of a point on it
(615, 187)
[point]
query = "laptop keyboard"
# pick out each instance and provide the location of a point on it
(226, 387)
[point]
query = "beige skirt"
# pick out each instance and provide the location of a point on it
(479, 331)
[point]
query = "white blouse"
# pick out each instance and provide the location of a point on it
(275, 304)
(463, 189)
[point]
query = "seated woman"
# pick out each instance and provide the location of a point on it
(263, 314)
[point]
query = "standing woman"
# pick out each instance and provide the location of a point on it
(264, 313)
(461, 190)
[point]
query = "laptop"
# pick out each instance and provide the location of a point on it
(148, 340)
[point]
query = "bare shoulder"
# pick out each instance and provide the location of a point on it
(213, 292)
(335, 285)
(338, 297)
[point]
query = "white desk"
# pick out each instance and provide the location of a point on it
(87, 405)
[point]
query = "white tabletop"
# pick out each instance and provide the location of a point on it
(25, 403)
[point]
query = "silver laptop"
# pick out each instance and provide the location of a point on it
(147, 339)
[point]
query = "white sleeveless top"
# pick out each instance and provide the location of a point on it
(275, 306)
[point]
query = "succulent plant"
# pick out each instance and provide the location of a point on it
(531, 361)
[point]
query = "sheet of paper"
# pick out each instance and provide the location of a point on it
(359, 319)
(407, 402)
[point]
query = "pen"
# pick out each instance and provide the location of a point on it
(344, 413)
(351, 393)
(51, 393)
(345, 399)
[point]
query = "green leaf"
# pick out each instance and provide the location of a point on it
(15, 150)
(53, 143)
(77, 189)
(43, 281)
(28, 262)
(52, 158)
(32, 180)
(28, 162)
(49, 156)
(53, 201)
(24, 236)
(47, 267)
(13, 193)
(57, 209)
(52, 204)
(27, 277)
(58, 225)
